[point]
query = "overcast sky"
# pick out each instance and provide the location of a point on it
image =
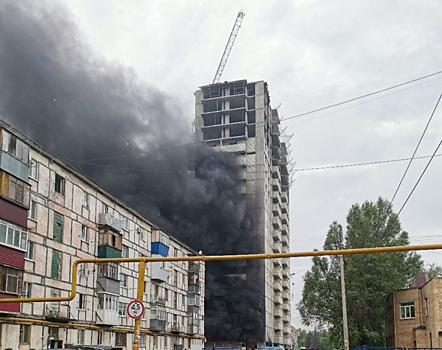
(312, 54)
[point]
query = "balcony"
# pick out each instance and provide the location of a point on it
(276, 247)
(277, 340)
(277, 286)
(194, 300)
(157, 325)
(155, 299)
(277, 299)
(107, 317)
(278, 327)
(106, 219)
(277, 312)
(276, 236)
(194, 288)
(192, 329)
(284, 196)
(57, 312)
(276, 222)
(287, 329)
(14, 166)
(195, 268)
(160, 243)
(276, 209)
(159, 271)
(175, 328)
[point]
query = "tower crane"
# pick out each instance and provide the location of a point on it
(229, 45)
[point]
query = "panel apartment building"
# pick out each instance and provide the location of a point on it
(52, 215)
(236, 117)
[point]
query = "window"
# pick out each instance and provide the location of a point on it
(14, 146)
(123, 221)
(122, 307)
(175, 300)
(59, 184)
(86, 200)
(14, 189)
(10, 280)
(125, 252)
(85, 233)
(109, 270)
(82, 269)
(56, 265)
(123, 280)
(13, 235)
(30, 251)
(183, 300)
(105, 208)
(407, 310)
(108, 302)
(81, 301)
(33, 171)
(120, 339)
(27, 290)
(100, 337)
(80, 340)
(32, 213)
(427, 307)
(19, 191)
(58, 227)
(25, 332)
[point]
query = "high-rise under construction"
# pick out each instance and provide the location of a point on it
(236, 117)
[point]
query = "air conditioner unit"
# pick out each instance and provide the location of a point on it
(139, 230)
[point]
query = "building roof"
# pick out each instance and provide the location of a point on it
(419, 280)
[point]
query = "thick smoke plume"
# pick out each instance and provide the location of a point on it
(128, 137)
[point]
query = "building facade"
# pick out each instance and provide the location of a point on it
(236, 117)
(52, 215)
(414, 316)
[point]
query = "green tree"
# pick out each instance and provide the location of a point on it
(369, 278)
(433, 270)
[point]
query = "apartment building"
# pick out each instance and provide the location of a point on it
(52, 215)
(414, 315)
(236, 117)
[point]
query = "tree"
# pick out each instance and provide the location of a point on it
(433, 270)
(369, 278)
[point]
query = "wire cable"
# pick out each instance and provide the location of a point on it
(362, 164)
(414, 153)
(362, 96)
(420, 177)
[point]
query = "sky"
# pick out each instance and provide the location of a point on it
(312, 54)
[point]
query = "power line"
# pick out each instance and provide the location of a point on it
(260, 172)
(362, 164)
(362, 96)
(418, 144)
(420, 177)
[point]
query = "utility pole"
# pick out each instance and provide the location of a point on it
(344, 304)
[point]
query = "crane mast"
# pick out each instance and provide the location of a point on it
(229, 45)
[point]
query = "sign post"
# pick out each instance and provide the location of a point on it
(136, 307)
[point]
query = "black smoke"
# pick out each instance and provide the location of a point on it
(132, 140)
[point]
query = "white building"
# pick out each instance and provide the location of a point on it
(52, 215)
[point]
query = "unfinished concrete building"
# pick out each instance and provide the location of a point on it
(236, 117)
